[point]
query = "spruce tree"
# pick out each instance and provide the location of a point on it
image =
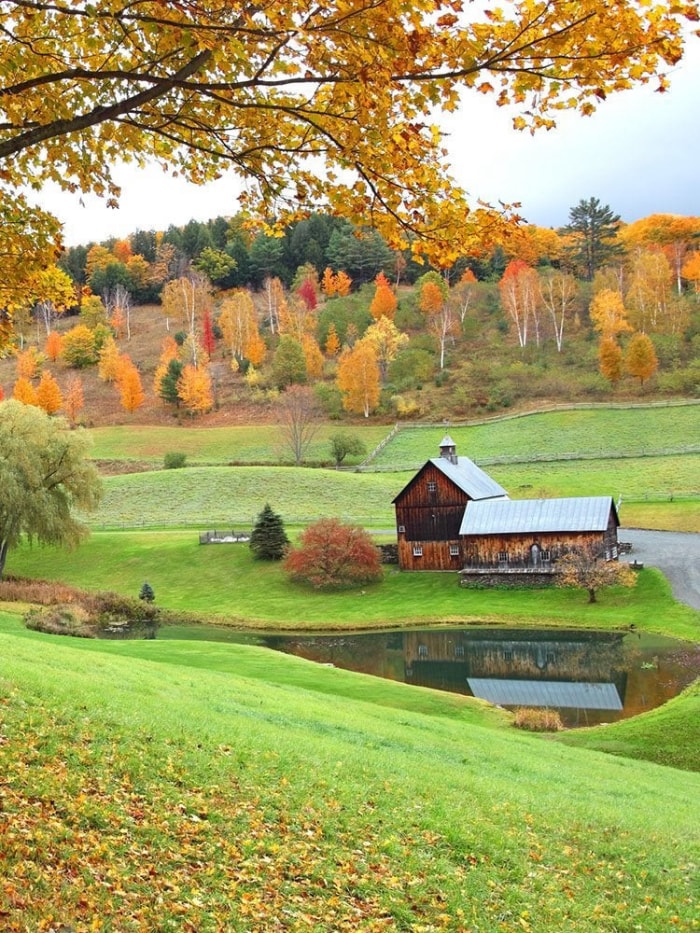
(593, 227)
(268, 540)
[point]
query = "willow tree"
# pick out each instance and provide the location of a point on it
(331, 104)
(45, 476)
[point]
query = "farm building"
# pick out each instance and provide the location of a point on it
(453, 516)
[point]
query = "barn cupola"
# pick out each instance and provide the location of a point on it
(448, 449)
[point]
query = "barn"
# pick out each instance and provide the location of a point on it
(453, 516)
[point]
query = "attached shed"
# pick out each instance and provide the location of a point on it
(528, 535)
(430, 509)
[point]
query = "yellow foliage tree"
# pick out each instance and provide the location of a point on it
(312, 357)
(386, 339)
(131, 394)
(640, 358)
(274, 89)
(332, 341)
(195, 390)
(28, 363)
(608, 313)
(610, 359)
(110, 361)
(358, 378)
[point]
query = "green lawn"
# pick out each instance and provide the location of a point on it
(224, 581)
(176, 786)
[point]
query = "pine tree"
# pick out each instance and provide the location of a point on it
(593, 227)
(268, 540)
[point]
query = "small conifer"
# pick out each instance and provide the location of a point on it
(269, 540)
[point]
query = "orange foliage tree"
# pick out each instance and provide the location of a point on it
(24, 391)
(384, 302)
(519, 291)
(608, 313)
(109, 361)
(331, 554)
(27, 362)
(131, 394)
(53, 346)
(73, 399)
(610, 359)
(332, 341)
(48, 394)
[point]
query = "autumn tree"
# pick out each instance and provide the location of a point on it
(610, 359)
(462, 295)
(558, 292)
(109, 361)
(298, 103)
(118, 302)
(384, 302)
(519, 296)
(289, 363)
(238, 322)
(608, 314)
(587, 568)
(208, 338)
(593, 228)
(673, 234)
(268, 539)
(358, 378)
(640, 358)
(298, 418)
(650, 292)
(194, 390)
(23, 391)
(28, 363)
(185, 299)
(53, 346)
(332, 346)
(93, 311)
(129, 385)
(73, 398)
(79, 347)
(387, 341)
(48, 394)
(334, 555)
(45, 476)
(691, 271)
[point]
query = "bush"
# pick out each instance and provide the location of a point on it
(334, 555)
(537, 720)
(60, 620)
(174, 460)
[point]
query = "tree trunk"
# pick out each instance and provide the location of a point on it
(591, 595)
(3, 556)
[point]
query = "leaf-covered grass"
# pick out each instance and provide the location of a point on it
(594, 432)
(224, 581)
(145, 787)
(258, 443)
(668, 735)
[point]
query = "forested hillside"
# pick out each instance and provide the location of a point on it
(213, 322)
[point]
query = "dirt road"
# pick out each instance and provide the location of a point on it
(676, 554)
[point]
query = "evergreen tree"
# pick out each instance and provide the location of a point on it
(268, 540)
(168, 384)
(594, 229)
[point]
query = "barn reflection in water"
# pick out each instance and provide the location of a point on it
(588, 676)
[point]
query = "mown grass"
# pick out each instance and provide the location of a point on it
(167, 791)
(595, 432)
(223, 581)
(259, 443)
(216, 496)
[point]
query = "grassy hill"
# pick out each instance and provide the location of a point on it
(180, 786)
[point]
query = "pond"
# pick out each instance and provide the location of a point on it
(590, 677)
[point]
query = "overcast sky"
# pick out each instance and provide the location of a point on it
(639, 153)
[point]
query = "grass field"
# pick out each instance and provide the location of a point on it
(180, 786)
(224, 581)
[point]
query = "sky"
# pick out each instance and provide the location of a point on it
(639, 154)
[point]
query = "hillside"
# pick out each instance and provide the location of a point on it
(203, 787)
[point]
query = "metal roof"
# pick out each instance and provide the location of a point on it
(552, 693)
(513, 516)
(469, 478)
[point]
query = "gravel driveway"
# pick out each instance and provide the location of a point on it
(676, 554)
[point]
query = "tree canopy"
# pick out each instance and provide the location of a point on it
(44, 476)
(330, 104)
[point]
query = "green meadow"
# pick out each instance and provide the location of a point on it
(181, 785)
(194, 786)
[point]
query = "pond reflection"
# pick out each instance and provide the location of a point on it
(590, 677)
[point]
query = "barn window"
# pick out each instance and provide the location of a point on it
(402, 529)
(550, 657)
(454, 550)
(459, 651)
(422, 651)
(503, 557)
(432, 487)
(507, 655)
(545, 555)
(417, 550)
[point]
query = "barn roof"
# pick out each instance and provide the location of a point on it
(513, 516)
(466, 475)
